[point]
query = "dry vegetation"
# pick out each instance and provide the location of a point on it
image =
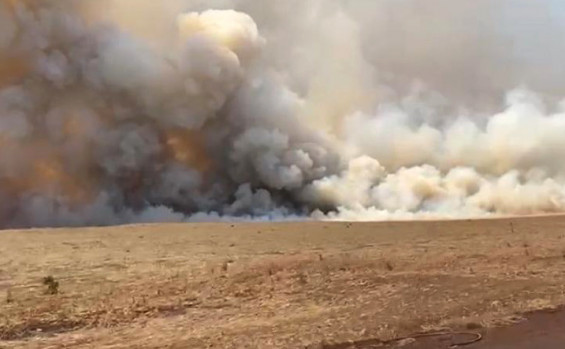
(272, 285)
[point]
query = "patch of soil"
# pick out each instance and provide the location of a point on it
(544, 329)
(39, 329)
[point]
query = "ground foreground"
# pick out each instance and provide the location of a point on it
(288, 285)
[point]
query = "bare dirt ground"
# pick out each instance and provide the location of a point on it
(537, 330)
(286, 285)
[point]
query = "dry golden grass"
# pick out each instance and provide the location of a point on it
(284, 285)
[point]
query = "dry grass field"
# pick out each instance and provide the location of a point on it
(284, 285)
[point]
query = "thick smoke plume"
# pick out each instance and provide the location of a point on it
(119, 111)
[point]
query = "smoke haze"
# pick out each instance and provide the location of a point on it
(123, 111)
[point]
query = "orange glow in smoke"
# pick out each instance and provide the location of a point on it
(12, 69)
(49, 176)
(13, 66)
(187, 147)
(11, 4)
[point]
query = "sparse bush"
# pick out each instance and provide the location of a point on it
(9, 297)
(52, 285)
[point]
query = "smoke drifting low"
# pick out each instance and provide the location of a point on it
(122, 111)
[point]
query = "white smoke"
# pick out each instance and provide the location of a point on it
(118, 111)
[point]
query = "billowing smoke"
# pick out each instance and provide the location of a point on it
(119, 111)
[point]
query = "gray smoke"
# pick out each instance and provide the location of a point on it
(120, 111)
